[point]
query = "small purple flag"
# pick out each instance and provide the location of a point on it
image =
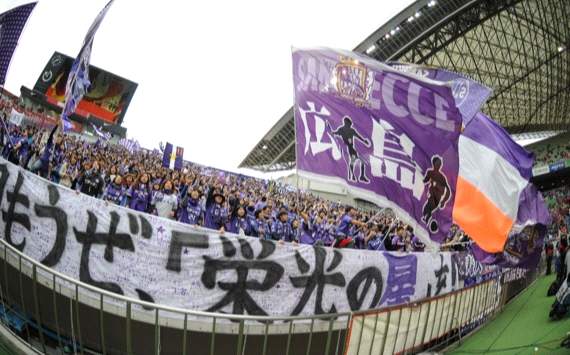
(173, 158)
(12, 23)
(389, 137)
(78, 82)
(178, 161)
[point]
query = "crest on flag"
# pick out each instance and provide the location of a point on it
(353, 80)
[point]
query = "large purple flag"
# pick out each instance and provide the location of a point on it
(12, 23)
(389, 137)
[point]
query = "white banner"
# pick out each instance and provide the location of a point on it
(170, 263)
(540, 170)
(16, 117)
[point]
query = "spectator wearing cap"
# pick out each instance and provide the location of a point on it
(216, 215)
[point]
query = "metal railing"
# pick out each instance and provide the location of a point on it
(59, 312)
(431, 323)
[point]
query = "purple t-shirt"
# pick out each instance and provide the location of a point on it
(397, 243)
(344, 226)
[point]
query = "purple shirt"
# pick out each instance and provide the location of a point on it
(397, 243)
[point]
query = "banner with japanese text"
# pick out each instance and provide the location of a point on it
(170, 263)
(389, 136)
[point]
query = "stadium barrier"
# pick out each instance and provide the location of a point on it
(84, 319)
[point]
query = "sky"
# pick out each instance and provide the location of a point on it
(213, 76)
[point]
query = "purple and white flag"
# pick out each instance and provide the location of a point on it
(132, 145)
(104, 135)
(12, 23)
(389, 137)
(173, 158)
(78, 79)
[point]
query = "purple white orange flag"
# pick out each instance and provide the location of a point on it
(526, 239)
(389, 137)
(493, 172)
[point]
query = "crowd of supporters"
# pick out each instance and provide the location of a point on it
(203, 196)
(556, 245)
(551, 153)
(558, 201)
(215, 199)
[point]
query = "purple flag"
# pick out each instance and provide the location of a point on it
(179, 160)
(469, 95)
(389, 137)
(12, 23)
(78, 79)
(166, 154)
(173, 161)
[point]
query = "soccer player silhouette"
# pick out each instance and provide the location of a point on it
(348, 135)
(438, 193)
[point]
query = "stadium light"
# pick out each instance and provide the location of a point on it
(264, 147)
(371, 49)
(410, 19)
(432, 3)
(387, 35)
(393, 32)
(561, 48)
(417, 14)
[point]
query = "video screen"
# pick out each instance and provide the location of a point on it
(107, 99)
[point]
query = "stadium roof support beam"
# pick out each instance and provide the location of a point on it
(519, 48)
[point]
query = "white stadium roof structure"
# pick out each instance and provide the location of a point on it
(519, 48)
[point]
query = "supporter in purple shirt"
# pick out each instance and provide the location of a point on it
(417, 244)
(343, 237)
(398, 240)
(281, 228)
(320, 228)
(239, 222)
(300, 231)
(140, 195)
(216, 214)
(375, 239)
(259, 226)
(115, 192)
(190, 210)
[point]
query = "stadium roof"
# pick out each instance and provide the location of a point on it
(519, 48)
